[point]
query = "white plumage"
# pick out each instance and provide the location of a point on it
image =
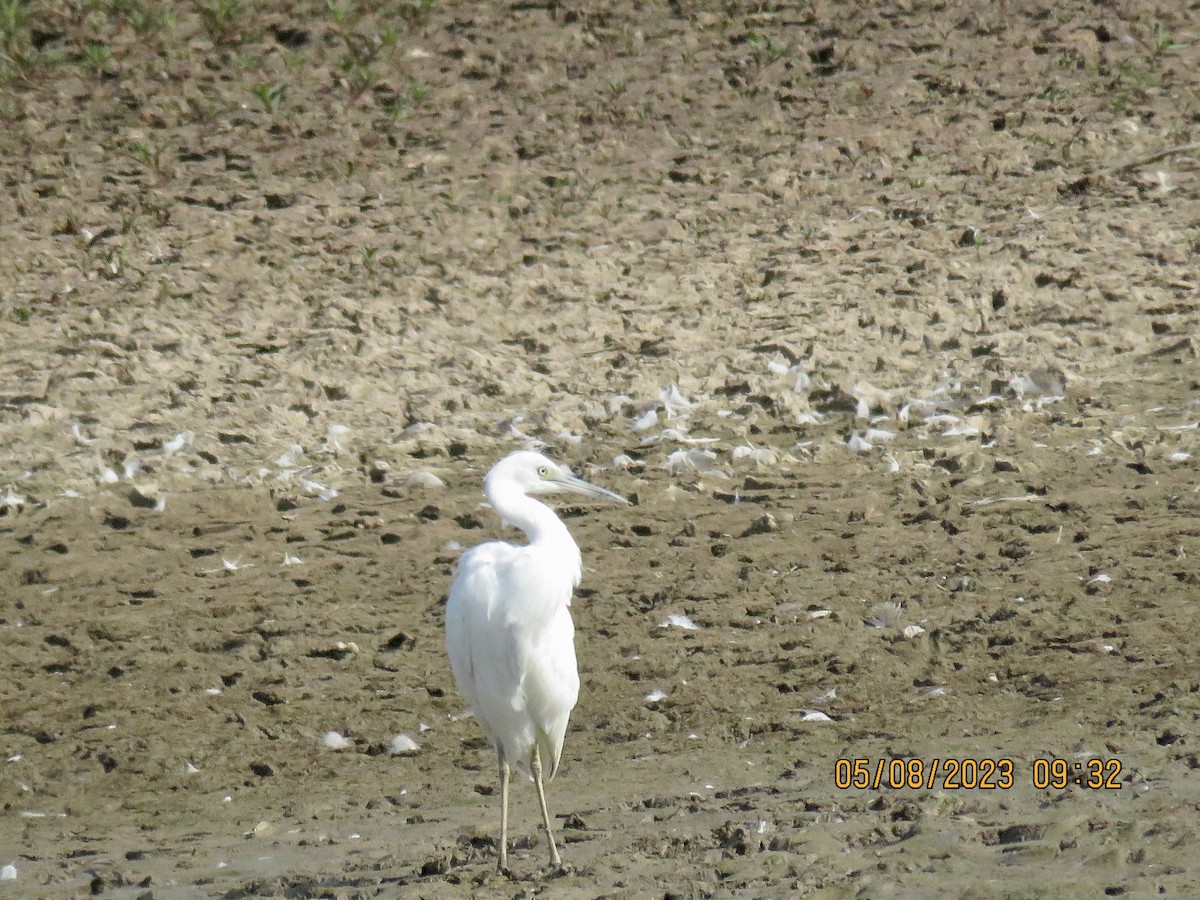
(509, 630)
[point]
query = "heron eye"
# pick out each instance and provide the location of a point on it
(544, 471)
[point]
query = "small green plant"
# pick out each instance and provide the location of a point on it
(145, 17)
(357, 79)
(14, 24)
(149, 156)
(415, 9)
(1120, 100)
(17, 53)
(1162, 42)
(145, 153)
(400, 104)
(270, 95)
(96, 57)
(223, 20)
(857, 93)
(343, 14)
(246, 61)
(295, 61)
(110, 258)
(203, 111)
(768, 49)
(368, 258)
(611, 106)
(1138, 76)
(365, 45)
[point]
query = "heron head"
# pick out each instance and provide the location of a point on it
(534, 473)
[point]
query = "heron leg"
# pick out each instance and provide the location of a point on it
(504, 770)
(555, 859)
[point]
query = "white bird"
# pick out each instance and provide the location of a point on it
(509, 630)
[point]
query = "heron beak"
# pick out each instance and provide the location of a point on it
(569, 482)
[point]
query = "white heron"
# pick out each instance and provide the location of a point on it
(509, 630)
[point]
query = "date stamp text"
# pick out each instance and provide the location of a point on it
(969, 774)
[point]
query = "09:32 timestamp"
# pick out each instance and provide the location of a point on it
(969, 773)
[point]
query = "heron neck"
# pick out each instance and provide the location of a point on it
(538, 521)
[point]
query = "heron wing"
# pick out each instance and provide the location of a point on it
(536, 586)
(552, 686)
(471, 632)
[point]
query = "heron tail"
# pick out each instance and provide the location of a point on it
(550, 753)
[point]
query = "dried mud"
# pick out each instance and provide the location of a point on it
(527, 221)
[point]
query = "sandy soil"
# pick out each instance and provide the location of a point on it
(884, 314)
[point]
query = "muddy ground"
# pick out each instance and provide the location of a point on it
(924, 278)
